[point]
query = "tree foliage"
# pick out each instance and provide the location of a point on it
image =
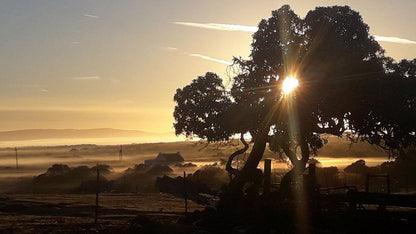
(201, 108)
(390, 119)
(346, 85)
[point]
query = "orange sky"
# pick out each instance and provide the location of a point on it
(117, 64)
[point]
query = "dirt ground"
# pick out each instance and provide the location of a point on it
(42, 213)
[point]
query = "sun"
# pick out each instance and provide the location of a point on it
(289, 84)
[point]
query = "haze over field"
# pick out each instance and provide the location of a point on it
(108, 136)
(35, 160)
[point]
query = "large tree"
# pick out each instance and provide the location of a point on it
(340, 69)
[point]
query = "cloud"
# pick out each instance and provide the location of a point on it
(174, 49)
(38, 87)
(84, 78)
(169, 48)
(245, 28)
(210, 59)
(394, 40)
(91, 16)
(222, 27)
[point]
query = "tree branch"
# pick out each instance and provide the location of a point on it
(229, 166)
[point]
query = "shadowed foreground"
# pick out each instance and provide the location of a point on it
(160, 213)
(75, 213)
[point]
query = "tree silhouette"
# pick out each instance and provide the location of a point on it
(201, 108)
(342, 72)
(389, 119)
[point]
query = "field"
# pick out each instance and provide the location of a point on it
(34, 160)
(68, 212)
(64, 213)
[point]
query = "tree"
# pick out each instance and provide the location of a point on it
(390, 121)
(341, 71)
(201, 108)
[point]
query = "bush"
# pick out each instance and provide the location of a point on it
(90, 186)
(212, 176)
(357, 167)
(140, 178)
(328, 176)
(159, 170)
(60, 178)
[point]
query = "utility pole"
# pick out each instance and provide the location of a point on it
(17, 162)
(184, 192)
(120, 153)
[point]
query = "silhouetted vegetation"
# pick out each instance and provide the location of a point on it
(186, 165)
(358, 167)
(211, 176)
(140, 178)
(345, 83)
(60, 178)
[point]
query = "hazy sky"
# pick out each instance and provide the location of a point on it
(118, 63)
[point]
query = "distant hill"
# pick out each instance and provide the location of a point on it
(35, 134)
(338, 147)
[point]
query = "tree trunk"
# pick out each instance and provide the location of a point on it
(249, 169)
(299, 166)
(232, 171)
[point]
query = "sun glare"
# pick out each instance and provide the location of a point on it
(289, 84)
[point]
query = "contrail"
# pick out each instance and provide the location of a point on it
(174, 49)
(222, 27)
(91, 16)
(210, 59)
(394, 40)
(246, 28)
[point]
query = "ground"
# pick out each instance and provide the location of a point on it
(62, 213)
(75, 213)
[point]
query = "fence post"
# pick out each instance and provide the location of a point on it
(267, 175)
(17, 162)
(388, 184)
(184, 192)
(97, 191)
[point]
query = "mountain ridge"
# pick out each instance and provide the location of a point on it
(35, 134)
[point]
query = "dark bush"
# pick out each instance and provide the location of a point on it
(62, 179)
(212, 176)
(90, 186)
(159, 170)
(186, 165)
(328, 176)
(357, 167)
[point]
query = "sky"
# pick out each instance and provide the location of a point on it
(117, 64)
